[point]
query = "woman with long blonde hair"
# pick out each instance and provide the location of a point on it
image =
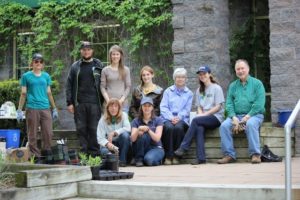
(115, 78)
(113, 131)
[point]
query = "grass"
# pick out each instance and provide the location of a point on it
(7, 179)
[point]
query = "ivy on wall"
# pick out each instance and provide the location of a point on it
(60, 26)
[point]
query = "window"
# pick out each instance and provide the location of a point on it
(105, 37)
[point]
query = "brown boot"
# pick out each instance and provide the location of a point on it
(225, 160)
(255, 159)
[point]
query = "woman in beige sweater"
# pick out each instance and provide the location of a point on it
(115, 78)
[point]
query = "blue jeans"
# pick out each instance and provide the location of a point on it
(252, 131)
(197, 129)
(123, 142)
(144, 151)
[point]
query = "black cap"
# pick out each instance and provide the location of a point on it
(37, 56)
(85, 44)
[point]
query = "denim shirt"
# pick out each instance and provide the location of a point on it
(176, 102)
(152, 124)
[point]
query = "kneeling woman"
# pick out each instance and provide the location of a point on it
(145, 134)
(113, 129)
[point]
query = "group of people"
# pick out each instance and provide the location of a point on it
(160, 130)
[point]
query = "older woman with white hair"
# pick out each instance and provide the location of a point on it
(175, 110)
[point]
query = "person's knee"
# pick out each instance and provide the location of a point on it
(125, 137)
(151, 161)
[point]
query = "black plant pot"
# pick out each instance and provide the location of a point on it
(95, 172)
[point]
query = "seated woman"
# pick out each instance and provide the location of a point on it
(145, 134)
(209, 102)
(175, 110)
(113, 129)
(146, 88)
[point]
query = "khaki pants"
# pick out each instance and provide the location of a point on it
(34, 120)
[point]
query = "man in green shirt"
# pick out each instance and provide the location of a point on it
(245, 103)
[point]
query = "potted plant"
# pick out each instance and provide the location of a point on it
(93, 162)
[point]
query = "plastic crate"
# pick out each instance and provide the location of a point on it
(108, 175)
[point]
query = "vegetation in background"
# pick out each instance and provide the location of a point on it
(60, 26)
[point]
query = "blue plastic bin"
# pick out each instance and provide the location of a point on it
(283, 116)
(12, 137)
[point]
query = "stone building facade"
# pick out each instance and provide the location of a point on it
(285, 57)
(201, 36)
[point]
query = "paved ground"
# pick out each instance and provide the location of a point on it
(236, 173)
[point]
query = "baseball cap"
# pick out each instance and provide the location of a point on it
(37, 56)
(205, 69)
(85, 44)
(146, 100)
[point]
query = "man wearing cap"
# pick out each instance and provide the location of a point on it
(244, 104)
(84, 98)
(36, 91)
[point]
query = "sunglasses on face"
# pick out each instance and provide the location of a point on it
(38, 61)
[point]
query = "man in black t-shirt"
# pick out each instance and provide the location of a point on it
(84, 98)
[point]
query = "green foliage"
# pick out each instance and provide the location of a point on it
(89, 160)
(10, 91)
(60, 26)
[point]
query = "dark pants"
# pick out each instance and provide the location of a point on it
(34, 119)
(123, 142)
(144, 151)
(172, 136)
(197, 129)
(86, 117)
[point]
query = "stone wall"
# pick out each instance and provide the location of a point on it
(201, 36)
(285, 57)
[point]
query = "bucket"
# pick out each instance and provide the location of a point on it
(12, 137)
(283, 116)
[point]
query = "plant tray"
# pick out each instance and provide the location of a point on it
(108, 175)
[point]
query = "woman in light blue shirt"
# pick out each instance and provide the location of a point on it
(113, 129)
(175, 110)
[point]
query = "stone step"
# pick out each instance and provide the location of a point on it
(179, 191)
(269, 135)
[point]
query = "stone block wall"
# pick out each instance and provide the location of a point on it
(201, 36)
(285, 57)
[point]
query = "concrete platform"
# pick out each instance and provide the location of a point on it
(208, 181)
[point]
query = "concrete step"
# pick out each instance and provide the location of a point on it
(179, 191)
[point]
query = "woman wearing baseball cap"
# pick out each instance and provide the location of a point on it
(145, 134)
(210, 112)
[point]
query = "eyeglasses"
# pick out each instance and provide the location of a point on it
(38, 61)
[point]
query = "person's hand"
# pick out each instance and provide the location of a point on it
(112, 147)
(71, 108)
(235, 125)
(175, 120)
(54, 114)
(110, 136)
(19, 115)
(121, 101)
(245, 118)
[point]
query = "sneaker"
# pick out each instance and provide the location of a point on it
(132, 162)
(255, 159)
(168, 161)
(180, 152)
(225, 160)
(175, 161)
(139, 164)
(198, 162)
(122, 164)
